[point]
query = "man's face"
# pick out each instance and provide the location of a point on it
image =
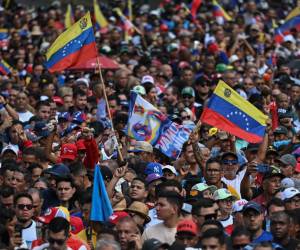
(22, 101)
(239, 242)
(137, 191)
(204, 214)
(9, 179)
(211, 244)
(81, 102)
(79, 179)
(292, 203)
(7, 202)
(164, 209)
(280, 226)
(44, 113)
(28, 159)
(188, 100)
(57, 241)
(213, 173)
(226, 206)
(189, 155)
(86, 208)
(287, 170)
(36, 173)
(295, 93)
(187, 239)
(64, 191)
(37, 204)
(253, 220)
(283, 101)
(24, 209)
(169, 97)
(68, 102)
(125, 231)
(20, 181)
(272, 185)
(273, 209)
(230, 166)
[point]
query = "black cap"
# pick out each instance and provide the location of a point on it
(281, 130)
(252, 205)
(273, 171)
(154, 244)
(252, 147)
(224, 155)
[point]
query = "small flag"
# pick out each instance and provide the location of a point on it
(5, 69)
(228, 111)
(101, 22)
(219, 12)
(72, 47)
(69, 18)
(194, 7)
(285, 29)
(101, 207)
(128, 25)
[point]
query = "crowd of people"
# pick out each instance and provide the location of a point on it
(220, 193)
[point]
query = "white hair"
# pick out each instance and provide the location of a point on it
(102, 244)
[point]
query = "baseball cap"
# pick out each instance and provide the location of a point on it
(68, 151)
(254, 206)
(288, 159)
(289, 193)
(188, 91)
(41, 130)
(154, 244)
(222, 194)
(281, 130)
(69, 129)
(63, 116)
(273, 171)
(116, 216)
(187, 225)
(287, 183)
(11, 148)
(170, 168)
(233, 59)
(153, 177)
(79, 117)
(76, 224)
(224, 155)
(59, 170)
(139, 208)
(106, 172)
(58, 100)
(222, 135)
(289, 38)
(221, 67)
(147, 78)
(252, 147)
(203, 186)
(239, 205)
(139, 90)
(80, 145)
(82, 81)
(142, 146)
(153, 168)
(54, 212)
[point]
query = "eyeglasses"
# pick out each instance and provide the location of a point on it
(230, 162)
(186, 117)
(213, 170)
(187, 96)
(23, 206)
(57, 241)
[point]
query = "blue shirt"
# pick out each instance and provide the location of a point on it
(265, 236)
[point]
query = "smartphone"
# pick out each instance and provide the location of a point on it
(18, 230)
(262, 168)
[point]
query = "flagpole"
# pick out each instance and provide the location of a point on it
(108, 108)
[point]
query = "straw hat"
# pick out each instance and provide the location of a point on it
(139, 208)
(36, 31)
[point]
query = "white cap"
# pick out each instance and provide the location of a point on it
(83, 80)
(233, 58)
(287, 183)
(11, 148)
(289, 38)
(147, 78)
(171, 168)
(239, 205)
(289, 193)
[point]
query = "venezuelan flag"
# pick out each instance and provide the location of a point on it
(228, 111)
(5, 69)
(3, 34)
(218, 11)
(73, 47)
(128, 25)
(69, 19)
(101, 21)
(285, 29)
(295, 12)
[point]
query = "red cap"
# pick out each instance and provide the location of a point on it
(297, 168)
(187, 225)
(68, 151)
(76, 224)
(116, 216)
(58, 100)
(80, 145)
(52, 213)
(213, 48)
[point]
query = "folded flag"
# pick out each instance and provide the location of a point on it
(128, 25)
(219, 12)
(73, 46)
(4, 36)
(69, 18)
(101, 22)
(147, 123)
(101, 207)
(230, 112)
(5, 69)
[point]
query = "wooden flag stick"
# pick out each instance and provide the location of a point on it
(108, 108)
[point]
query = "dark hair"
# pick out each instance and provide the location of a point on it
(212, 160)
(140, 179)
(76, 168)
(22, 195)
(7, 191)
(42, 103)
(79, 92)
(25, 172)
(279, 214)
(85, 197)
(59, 224)
(148, 86)
(168, 183)
(31, 151)
(6, 215)
(214, 233)
(172, 197)
(216, 223)
(65, 179)
(263, 244)
(204, 202)
(276, 202)
(239, 231)
(33, 166)
(295, 215)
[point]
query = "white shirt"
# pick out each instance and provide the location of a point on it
(25, 116)
(161, 233)
(29, 234)
(154, 220)
(236, 182)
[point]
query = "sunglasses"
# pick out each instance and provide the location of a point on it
(23, 206)
(186, 117)
(58, 242)
(210, 217)
(230, 162)
(187, 96)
